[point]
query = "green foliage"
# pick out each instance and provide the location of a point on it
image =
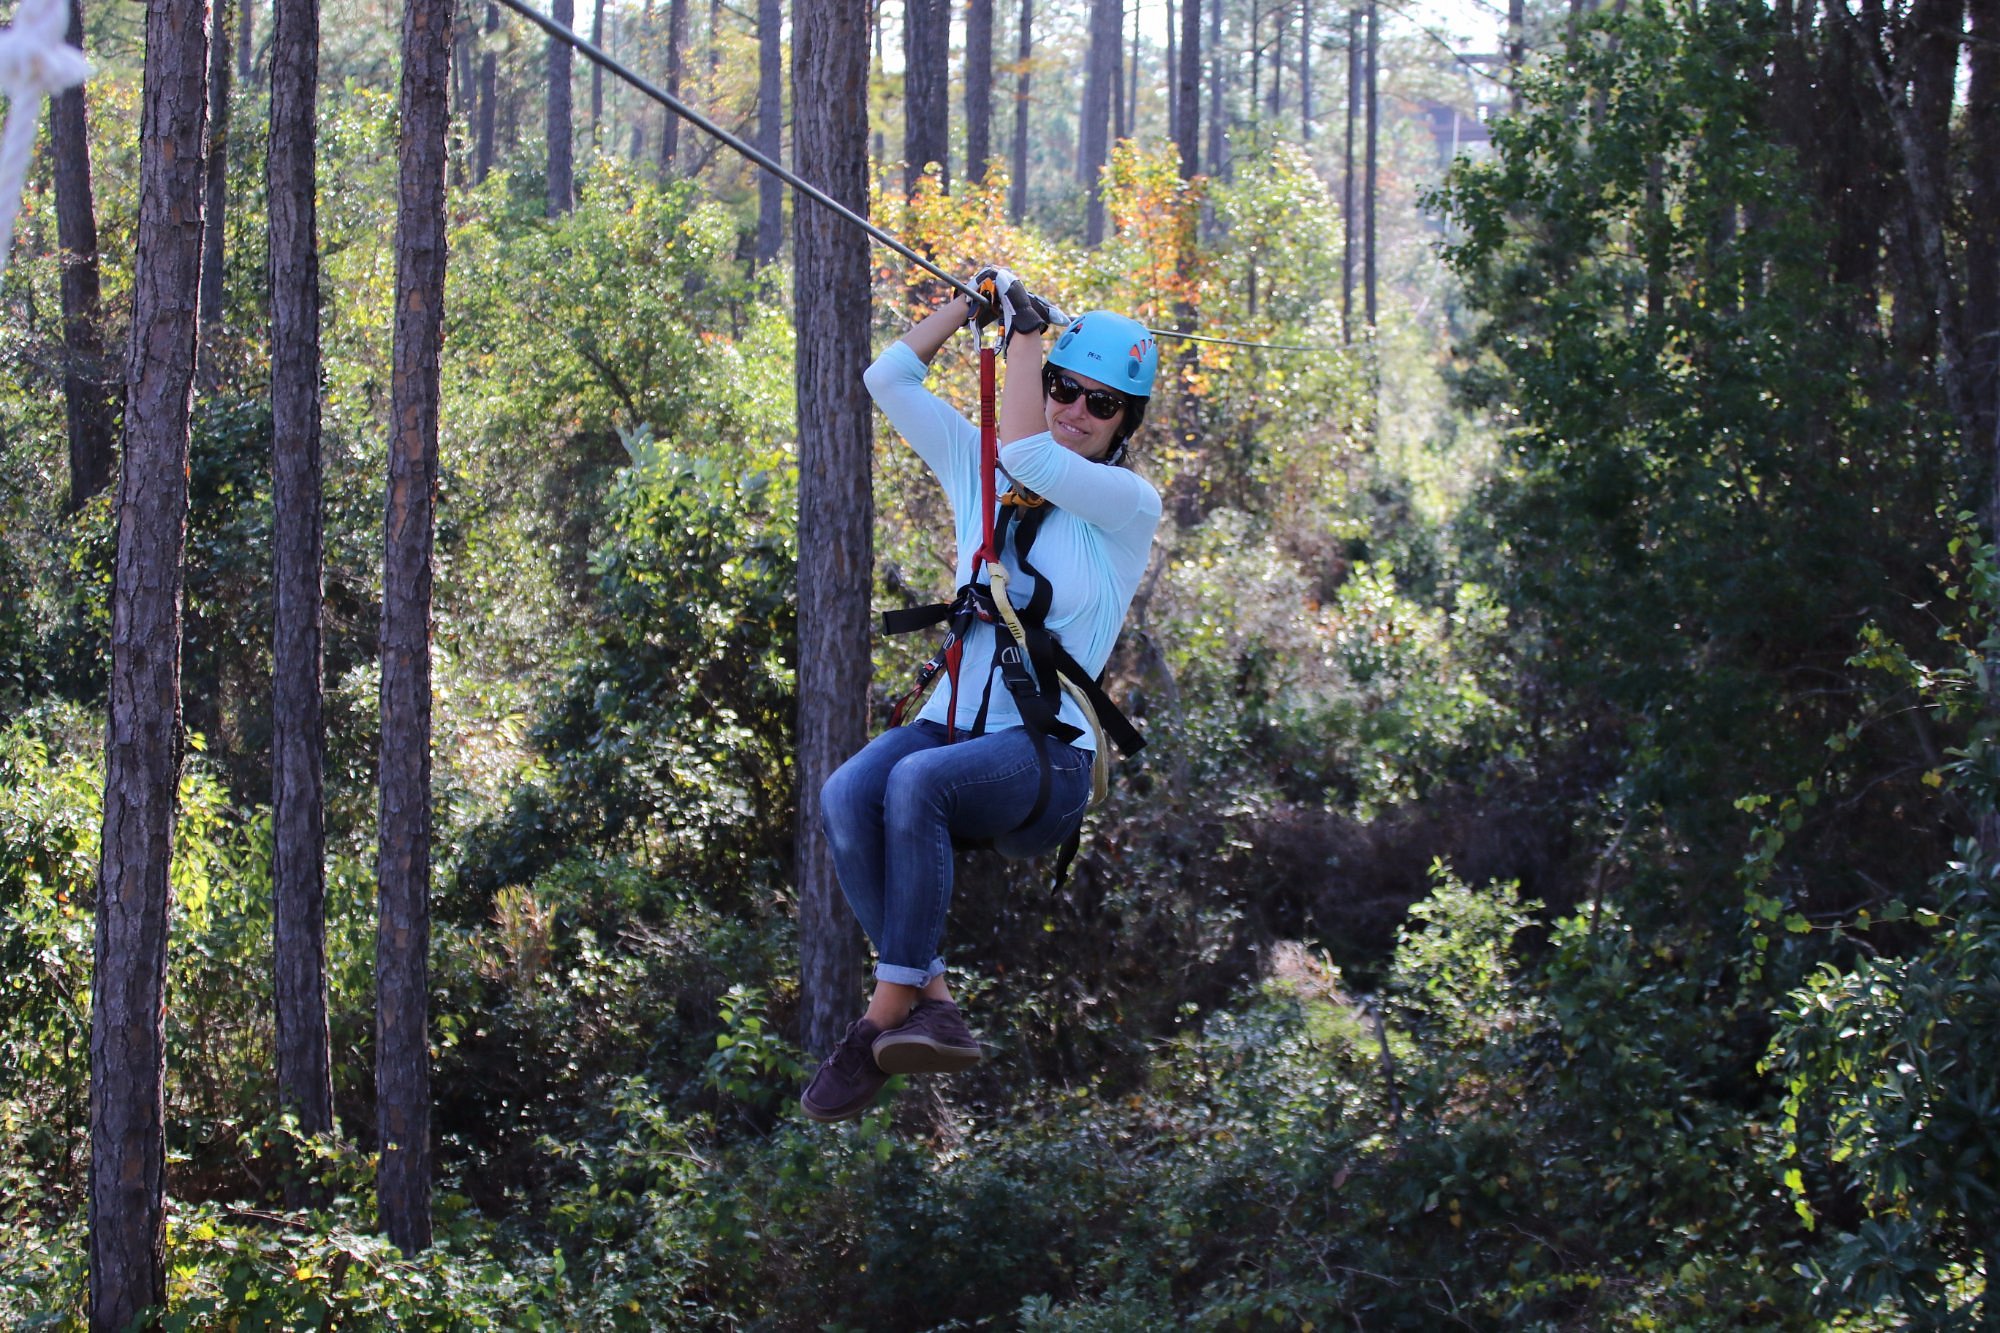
(1707, 470)
(1891, 1097)
(217, 1018)
(1714, 474)
(1890, 1090)
(669, 735)
(49, 819)
(1453, 971)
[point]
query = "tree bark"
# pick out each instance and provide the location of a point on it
(1305, 71)
(246, 63)
(402, 934)
(926, 106)
(1132, 80)
(1982, 241)
(1187, 101)
(89, 395)
(1368, 204)
(638, 152)
(770, 123)
(465, 92)
(298, 734)
(487, 89)
(1256, 57)
(978, 88)
(1218, 86)
(830, 73)
(670, 134)
(1277, 105)
(1107, 25)
(1929, 57)
(1925, 200)
(1516, 48)
(1024, 51)
(561, 116)
(1118, 128)
(596, 72)
(1347, 216)
(217, 182)
(142, 756)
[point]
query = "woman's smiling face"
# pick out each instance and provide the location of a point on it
(1072, 423)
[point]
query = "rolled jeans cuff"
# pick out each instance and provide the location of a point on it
(909, 976)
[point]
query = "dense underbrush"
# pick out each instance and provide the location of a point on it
(1548, 910)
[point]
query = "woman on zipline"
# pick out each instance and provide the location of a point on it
(1011, 765)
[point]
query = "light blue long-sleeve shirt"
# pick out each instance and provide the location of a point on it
(1092, 548)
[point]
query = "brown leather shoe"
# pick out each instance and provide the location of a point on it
(932, 1040)
(848, 1081)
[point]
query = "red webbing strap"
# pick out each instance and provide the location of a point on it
(989, 462)
(989, 455)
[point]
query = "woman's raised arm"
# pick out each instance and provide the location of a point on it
(934, 330)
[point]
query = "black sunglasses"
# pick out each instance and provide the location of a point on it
(1100, 403)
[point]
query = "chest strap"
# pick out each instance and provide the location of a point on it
(1030, 660)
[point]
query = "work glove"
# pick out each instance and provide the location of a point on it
(1010, 302)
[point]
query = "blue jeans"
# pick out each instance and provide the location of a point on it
(892, 811)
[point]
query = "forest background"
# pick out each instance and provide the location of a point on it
(1557, 892)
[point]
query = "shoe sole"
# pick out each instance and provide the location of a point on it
(920, 1055)
(834, 1117)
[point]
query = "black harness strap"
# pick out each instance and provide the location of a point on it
(1034, 679)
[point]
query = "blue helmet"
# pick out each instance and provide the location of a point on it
(1117, 352)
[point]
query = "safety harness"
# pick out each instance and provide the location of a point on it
(1031, 660)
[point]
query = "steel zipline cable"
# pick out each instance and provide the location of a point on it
(593, 52)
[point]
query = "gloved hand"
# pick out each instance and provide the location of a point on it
(990, 282)
(1010, 302)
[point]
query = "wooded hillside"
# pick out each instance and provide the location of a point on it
(439, 513)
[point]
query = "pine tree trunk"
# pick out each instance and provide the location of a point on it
(562, 116)
(770, 123)
(1256, 57)
(216, 184)
(1347, 217)
(465, 91)
(1017, 206)
(714, 47)
(142, 756)
(1132, 79)
(487, 81)
(1982, 242)
(978, 88)
(1106, 36)
(670, 134)
(926, 104)
(89, 392)
(638, 153)
(830, 73)
(1277, 107)
(1368, 202)
(1118, 127)
(1516, 47)
(246, 62)
(1305, 71)
(1928, 56)
(1187, 133)
(596, 73)
(298, 734)
(403, 924)
(1218, 88)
